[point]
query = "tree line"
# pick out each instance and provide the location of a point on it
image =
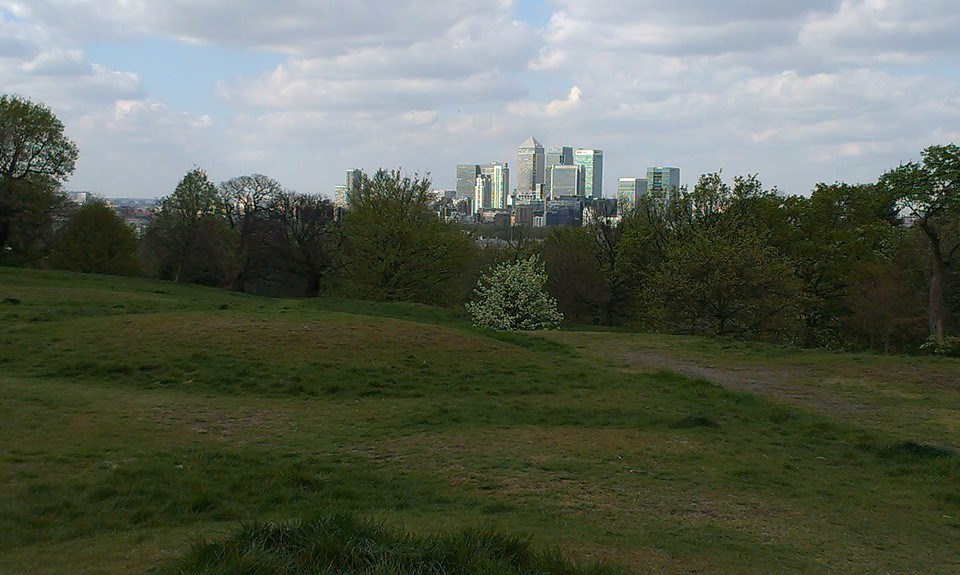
(852, 266)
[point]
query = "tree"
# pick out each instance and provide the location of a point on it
(726, 280)
(512, 297)
(298, 245)
(396, 246)
(830, 236)
(573, 272)
(190, 239)
(35, 159)
(929, 191)
(96, 240)
(886, 297)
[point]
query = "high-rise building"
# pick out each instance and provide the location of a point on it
(500, 184)
(564, 181)
(559, 155)
(482, 193)
(592, 162)
(341, 194)
(629, 192)
(467, 179)
(498, 176)
(663, 181)
(530, 159)
(555, 156)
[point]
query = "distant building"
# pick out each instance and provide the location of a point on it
(564, 180)
(530, 165)
(663, 180)
(79, 197)
(629, 192)
(341, 194)
(592, 162)
(483, 193)
(499, 176)
(467, 179)
(564, 211)
(559, 156)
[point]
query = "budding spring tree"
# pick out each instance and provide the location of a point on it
(512, 297)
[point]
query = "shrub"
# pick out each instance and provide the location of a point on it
(512, 296)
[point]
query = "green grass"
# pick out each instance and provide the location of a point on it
(335, 544)
(137, 417)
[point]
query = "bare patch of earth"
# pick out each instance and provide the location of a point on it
(915, 397)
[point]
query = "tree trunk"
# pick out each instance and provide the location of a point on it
(937, 307)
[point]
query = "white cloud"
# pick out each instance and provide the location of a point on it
(799, 90)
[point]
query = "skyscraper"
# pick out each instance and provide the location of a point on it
(663, 180)
(500, 186)
(467, 179)
(341, 194)
(499, 177)
(555, 156)
(559, 155)
(629, 192)
(530, 162)
(482, 193)
(592, 162)
(564, 181)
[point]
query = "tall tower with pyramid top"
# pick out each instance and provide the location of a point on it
(530, 159)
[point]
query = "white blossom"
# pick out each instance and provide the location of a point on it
(511, 296)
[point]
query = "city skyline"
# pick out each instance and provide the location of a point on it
(798, 92)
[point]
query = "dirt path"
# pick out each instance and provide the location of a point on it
(914, 397)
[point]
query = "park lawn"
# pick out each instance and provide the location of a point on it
(137, 416)
(910, 396)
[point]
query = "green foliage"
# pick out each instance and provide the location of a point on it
(397, 247)
(342, 544)
(930, 193)
(948, 346)
(289, 243)
(512, 297)
(835, 239)
(190, 239)
(35, 159)
(96, 239)
(574, 275)
(727, 281)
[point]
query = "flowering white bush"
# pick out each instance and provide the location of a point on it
(511, 297)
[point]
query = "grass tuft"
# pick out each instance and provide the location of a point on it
(343, 544)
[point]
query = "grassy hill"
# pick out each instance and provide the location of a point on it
(137, 417)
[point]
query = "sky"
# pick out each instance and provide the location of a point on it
(796, 91)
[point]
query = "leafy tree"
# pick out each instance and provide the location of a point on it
(929, 191)
(35, 159)
(512, 296)
(190, 239)
(727, 281)
(396, 246)
(574, 276)
(247, 200)
(299, 244)
(840, 229)
(885, 298)
(97, 240)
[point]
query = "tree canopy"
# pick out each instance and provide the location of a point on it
(36, 157)
(190, 239)
(397, 247)
(95, 239)
(929, 191)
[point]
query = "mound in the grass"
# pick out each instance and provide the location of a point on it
(344, 545)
